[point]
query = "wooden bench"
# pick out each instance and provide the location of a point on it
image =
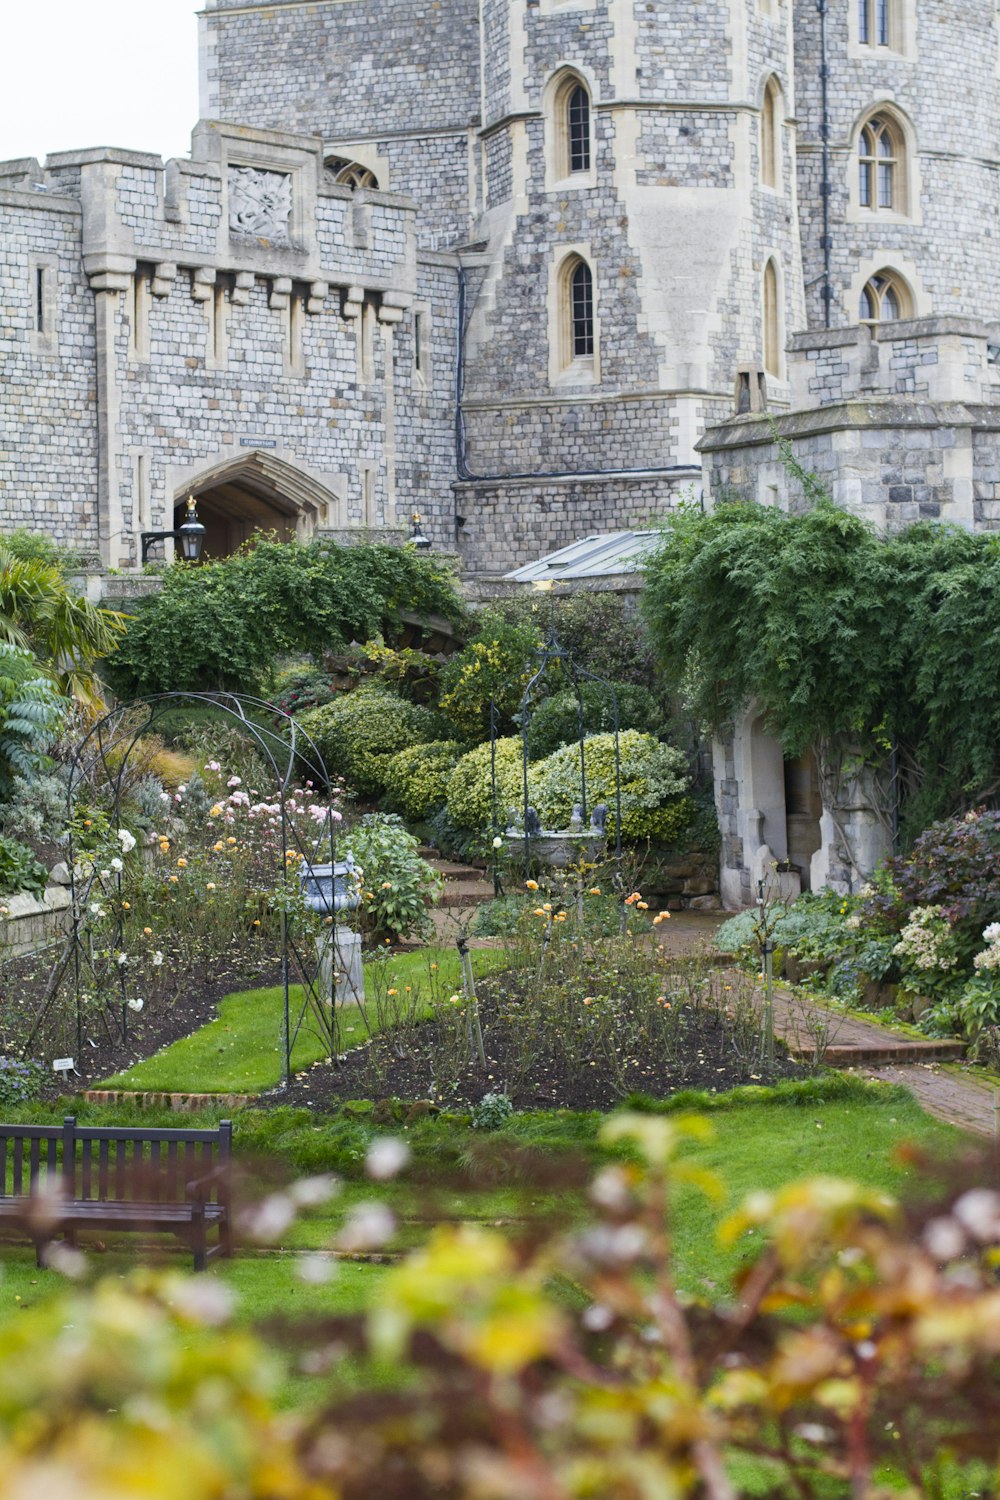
(56, 1180)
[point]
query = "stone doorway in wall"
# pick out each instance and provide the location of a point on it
(257, 493)
(785, 793)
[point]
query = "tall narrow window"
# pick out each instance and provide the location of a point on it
(772, 321)
(581, 292)
(770, 135)
(578, 129)
(885, 298)
(569, 131)
(880, 151)
(139, 312)
(40, 300)
(875, 23)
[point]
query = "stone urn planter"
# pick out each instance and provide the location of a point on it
(557, 848)
(329, 890)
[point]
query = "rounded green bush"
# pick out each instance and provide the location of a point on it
(555, 722)
(417, 778)
(359, 733)
(470, 789)
(653, 775)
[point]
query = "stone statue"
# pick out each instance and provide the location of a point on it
(576, 818)
(599, 818)
(532, 823)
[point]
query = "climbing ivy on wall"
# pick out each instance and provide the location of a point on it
(839, 634)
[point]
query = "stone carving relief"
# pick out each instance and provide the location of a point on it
(260, 204)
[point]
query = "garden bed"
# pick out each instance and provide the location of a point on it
(698, 1046)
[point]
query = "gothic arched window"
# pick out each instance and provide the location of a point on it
(881, 165)
(885, 298)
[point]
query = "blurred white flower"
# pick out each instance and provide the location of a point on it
(135, 1004)
(117, 866)
(127, 840)
(122, 960)
(157, 959)
(386, 1158)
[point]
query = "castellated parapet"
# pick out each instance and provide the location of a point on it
(900, 424)
(233, 323)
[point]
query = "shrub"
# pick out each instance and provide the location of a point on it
(223, 625)
(417, 778)
(359, 733)
(31, 711)
(470, 803)
(651, 777)
(37, 807)
(397, 881)
(302, 687)
(555, 722)
(496, 664)
(492, 1112)
(604, 632)
(955, 865)
(19, 869)
(20, 1082)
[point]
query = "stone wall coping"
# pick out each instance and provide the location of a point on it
(888, 411)
(940, 327)
(381, 197)
(96, 154)
(446, 258)
(189, 168)
(211, 133)
(55, 203)
(500, 481)
(827, 338)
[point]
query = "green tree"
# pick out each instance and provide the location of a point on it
(39, 612)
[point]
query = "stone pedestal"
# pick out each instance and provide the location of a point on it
(340, 950)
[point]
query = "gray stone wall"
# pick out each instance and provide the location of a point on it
(518, 520)
(48, 404)
(945, 83)
(400, 78)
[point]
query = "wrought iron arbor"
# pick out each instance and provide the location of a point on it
(105, 754)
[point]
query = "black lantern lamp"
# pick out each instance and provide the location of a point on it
(190, 534)
(421, 542)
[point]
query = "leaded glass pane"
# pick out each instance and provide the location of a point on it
(582, 308)
(578, 121)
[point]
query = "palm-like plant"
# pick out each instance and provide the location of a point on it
(68, 634)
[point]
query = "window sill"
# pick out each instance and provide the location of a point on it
(573, 183)
(582, 372)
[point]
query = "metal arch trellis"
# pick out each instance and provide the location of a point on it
(291, 757)
(552, 652)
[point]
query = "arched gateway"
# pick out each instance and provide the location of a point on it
(258, 491)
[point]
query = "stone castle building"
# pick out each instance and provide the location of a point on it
(525, 266)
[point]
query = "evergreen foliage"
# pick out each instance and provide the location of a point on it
(223, 625)
(30, 714)
(837, 633)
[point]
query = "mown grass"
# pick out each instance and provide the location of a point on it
(240, 1051)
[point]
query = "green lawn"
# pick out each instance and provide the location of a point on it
(240, 1051)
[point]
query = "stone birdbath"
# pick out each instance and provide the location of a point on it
(557, 848)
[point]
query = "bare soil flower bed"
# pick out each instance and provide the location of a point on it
(156, 1026)
(705, 1049)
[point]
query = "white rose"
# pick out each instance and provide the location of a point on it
(117, 866)
(135, 1004)
(127, 840)
(157, 959)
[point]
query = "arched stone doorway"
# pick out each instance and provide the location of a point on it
(258, 492)
(784, 810)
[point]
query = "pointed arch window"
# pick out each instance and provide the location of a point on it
(881, 165)
(578, 129)
(569, 130)
(773, 338)
(575, 334)
(352, 174)
(770, 135)
(885, 298)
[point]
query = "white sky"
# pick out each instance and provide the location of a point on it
(83, 73)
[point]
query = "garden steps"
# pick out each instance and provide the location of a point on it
(813, 1031)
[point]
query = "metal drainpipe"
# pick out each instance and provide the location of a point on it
(824, 85)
